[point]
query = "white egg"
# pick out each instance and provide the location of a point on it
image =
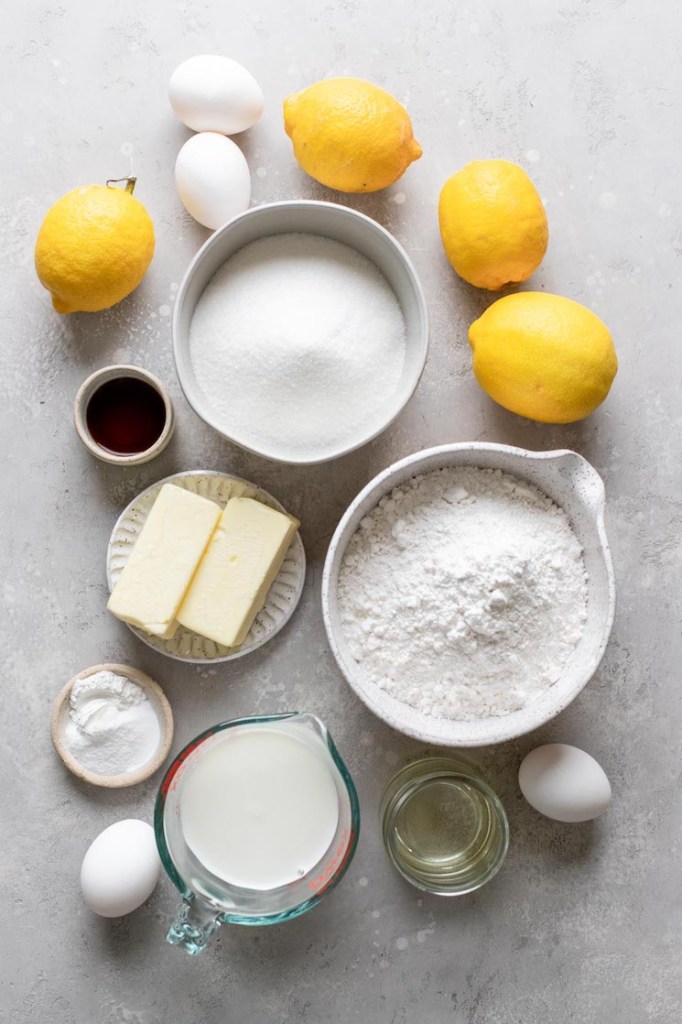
(215, 94)
(212, 179)
(564, 783)
(121, 868)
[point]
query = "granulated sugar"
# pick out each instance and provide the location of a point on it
(463, 593)
(298, 344)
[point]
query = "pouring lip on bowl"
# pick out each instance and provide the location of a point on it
(266, 213)
(583, 478)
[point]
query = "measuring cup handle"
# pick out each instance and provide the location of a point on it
(193, 926)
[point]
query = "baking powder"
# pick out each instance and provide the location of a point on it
(113, 728)
(463, 593)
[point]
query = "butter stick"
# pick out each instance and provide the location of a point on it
(155, 579)
(241, 562)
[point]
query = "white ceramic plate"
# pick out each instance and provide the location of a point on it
(574, 485)
(283, 596)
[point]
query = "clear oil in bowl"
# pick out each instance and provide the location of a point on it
(444, 828)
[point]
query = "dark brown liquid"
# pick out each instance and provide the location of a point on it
(126, 416)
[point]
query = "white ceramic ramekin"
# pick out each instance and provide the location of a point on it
(80, 408)
(310, 217)
(574, 485)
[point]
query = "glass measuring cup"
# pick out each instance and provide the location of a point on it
(210, 900)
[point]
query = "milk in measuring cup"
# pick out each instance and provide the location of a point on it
(259, 809)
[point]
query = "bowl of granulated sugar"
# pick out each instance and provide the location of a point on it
(300, 331)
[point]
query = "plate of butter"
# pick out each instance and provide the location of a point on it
(205, 567)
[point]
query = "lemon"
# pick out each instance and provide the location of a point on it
(94, 247)
(543, 356)
(492, 224)
(350, 135)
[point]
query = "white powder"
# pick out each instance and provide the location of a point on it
(298, 344)
(463, 593)
(113, 728)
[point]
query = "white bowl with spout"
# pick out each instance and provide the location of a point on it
(576, 487)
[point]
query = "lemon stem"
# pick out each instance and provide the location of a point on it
(130, 183)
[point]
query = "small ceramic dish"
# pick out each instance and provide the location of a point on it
(85, 394)
(329, 220)
(60, 717)
(283, 596)
(575, 486)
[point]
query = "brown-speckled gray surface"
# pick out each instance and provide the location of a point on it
(583, 923)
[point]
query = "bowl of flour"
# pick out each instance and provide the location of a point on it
(300, 331)
(468, 592)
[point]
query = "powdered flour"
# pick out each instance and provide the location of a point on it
(464, 593)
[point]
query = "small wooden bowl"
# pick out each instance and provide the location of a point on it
(60, 713)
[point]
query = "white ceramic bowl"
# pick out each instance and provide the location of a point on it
(309, 217)
(574, 485)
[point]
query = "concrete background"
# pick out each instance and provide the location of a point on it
(583, 923)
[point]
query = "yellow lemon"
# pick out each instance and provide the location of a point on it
(492, 224)
(94, 247)
(543, 356)
(350, 135)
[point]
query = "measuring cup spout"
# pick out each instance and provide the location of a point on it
(193, 926)
(305, 720)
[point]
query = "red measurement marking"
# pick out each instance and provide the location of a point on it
(320, 883)
(177, 764)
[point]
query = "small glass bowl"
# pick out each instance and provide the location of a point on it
(443, 827)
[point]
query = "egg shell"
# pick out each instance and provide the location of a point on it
(212, 179)
(564, 783)
(209, 93)
(121, 868)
